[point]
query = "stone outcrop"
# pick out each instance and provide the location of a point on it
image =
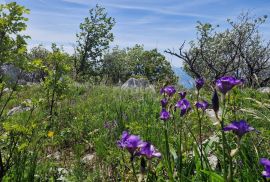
(141, 83)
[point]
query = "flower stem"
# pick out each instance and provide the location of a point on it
(170, 172)
(180, 158)
(226, 150)
(200, 131)
(223, 139)
(133, 169)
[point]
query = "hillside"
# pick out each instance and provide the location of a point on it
(184, 78)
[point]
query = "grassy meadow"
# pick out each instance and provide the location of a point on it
(79, 141)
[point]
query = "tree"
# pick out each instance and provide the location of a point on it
(115, 66)
(12, 51)
(39, 57)
(93, 40)
(56, 81)
(239, 51)
(119, 65)
(12, 43)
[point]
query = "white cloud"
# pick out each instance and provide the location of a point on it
(156, 7)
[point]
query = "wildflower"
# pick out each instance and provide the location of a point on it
(239, 127)
(169, 90)
(182, 94)
(226, 83)
(149, 151)
(202, 105)
(199, 83)
(164, 115)
(215, 102)
(110, 124)
(50, 134)
(184, 106)
(129, 142)
(164, 102)
(266, 164)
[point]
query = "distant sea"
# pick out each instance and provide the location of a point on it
(184, 78)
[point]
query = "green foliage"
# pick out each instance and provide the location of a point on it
(119, 65)
(239, 51)
(79, 131)
(66, 130)
(93, 40)
(12, 43)
(56, 81)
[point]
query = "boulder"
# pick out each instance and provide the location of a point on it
(212, 116)
(24, 106)
(88, 158)
(6, 90)
(10, 71)
(141, 83)
(62, 173)
(264, 90)
(55, 156)
(13, 73)
(213, 161)
(208, 143)
(17, 109)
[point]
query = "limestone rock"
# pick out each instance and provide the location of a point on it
(56, 155)
(212, 116)
(138, 84)
(88, 158)
(13, 73)
(264, 89)
(213, 161)
(17, 109)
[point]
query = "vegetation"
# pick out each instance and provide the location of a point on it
(93, 40)
(12, 42)
(64, 130)
(119, 65)
(239, 51)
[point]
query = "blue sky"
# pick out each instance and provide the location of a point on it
(160, 24)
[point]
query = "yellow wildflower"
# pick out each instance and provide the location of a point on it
(50, 134)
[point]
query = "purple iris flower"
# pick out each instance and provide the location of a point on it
(199, 83)
(182, 94)
(149, 151)
(202, 105)
(226, 83)
(239, 127)
(129, 142)
(169, 90)
(164, 102)
(184, 106)
(164, 115)
(266, 164)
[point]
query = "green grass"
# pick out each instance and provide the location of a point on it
(78, 127)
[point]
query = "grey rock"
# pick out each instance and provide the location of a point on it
(24, 106)
(88, 158)
(141, 83)
(213, 161)
(264, 89)
(62, 172)
(10, 71)
(212, 116)
(213, 138)
(13, 73)
(56, 155)
(17, 109)
(6, 90)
